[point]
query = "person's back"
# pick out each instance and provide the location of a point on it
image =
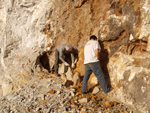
(90, 51)
(64, 48)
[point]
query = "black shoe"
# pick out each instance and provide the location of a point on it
(84, 92)
(109, 89)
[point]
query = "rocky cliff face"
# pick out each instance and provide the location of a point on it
(21, 39)
(30, 29)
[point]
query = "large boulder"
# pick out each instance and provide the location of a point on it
(130, 80)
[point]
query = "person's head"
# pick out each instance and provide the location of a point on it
(93, 37)
(68, 48)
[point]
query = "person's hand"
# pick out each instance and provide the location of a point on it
(66, 64)
(73, 65)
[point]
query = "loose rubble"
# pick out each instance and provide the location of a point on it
(48, 94)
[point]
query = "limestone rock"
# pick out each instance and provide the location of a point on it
(131, 76)
(76, 78)
(83, 100)
(108, 104)
(69, 74)
(61, 68)
(92, 81)
(63, 76)
(83, 110)
(95, 90)
(26, 73)
(51, 91)
(7, 87)
(23, 22)
(42, 96)
(79, 65)
(72, 94)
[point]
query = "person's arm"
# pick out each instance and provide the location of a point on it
(61, 58)
(72, 60)
(98, 49)
(72, 57)
(98, 54)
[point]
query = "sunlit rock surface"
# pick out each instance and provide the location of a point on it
(21, 40)
(28, 29)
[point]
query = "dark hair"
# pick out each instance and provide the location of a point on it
(93, 37)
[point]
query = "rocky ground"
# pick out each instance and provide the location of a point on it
(50, 94)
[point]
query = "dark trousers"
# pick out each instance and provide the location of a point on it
(94, 67)
(56, 66)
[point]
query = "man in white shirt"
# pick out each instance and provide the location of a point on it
(91, 61)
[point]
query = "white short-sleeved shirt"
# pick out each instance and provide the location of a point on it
(90, 51)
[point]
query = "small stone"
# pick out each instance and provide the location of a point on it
(41, 78)
(38, 111)
(114, 103)
(83, 110)
(59, 85)
(72, 89)
(42, 96)
(9, 97)
(125, 112)
(61, 68)
(76, 78)
(99, 110)
(63, 76)
(7, 87)
(83, 100)
(75, 105)
(78, 93)
(11, 112)
(25, 73)
(69, 74)
(107, 104)
(72, 93)
(48, 85)
(93, 81)
(68, 83)
(58, 92)
(61, 91)
(51, 92)
(95, 90)
(32, 87)
(44, 102)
